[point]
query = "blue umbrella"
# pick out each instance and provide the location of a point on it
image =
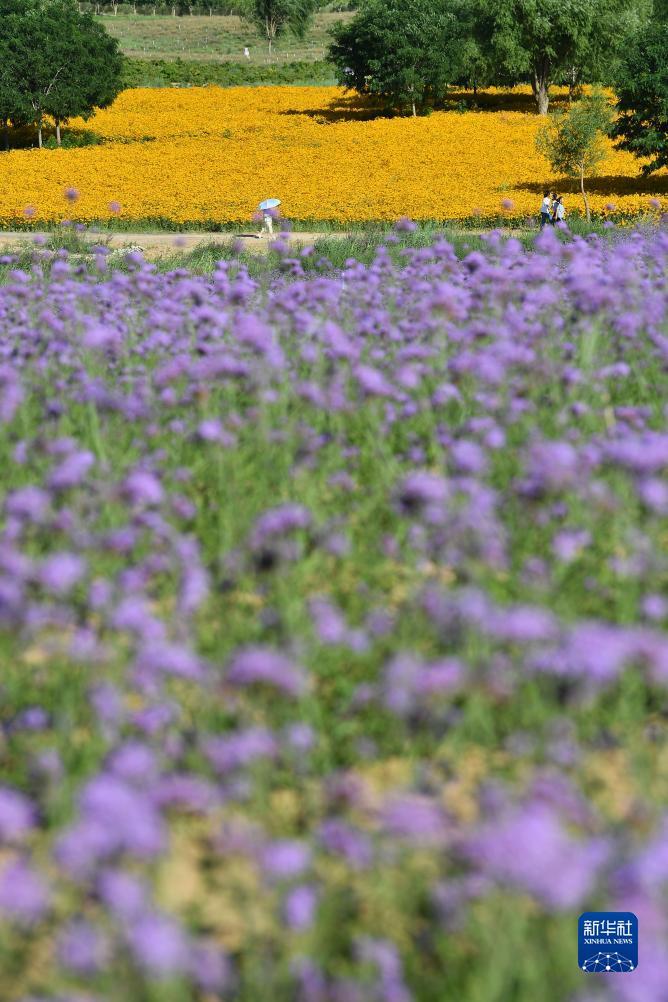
(270, 203)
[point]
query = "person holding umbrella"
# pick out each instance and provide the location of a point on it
(267, 209)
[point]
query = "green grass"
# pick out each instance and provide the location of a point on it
(330, 252)
(473, 225)
(193, 73)
(215, 39)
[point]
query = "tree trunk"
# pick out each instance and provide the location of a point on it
(540, 86)
(5, 134)
(572, 84)
(58, 132)
(584, 196)
(39, 132)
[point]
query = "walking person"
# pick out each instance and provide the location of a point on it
(268, 210)
(559, 214)
(545, 209)
(268, 222)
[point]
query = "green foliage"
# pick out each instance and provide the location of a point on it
(573, 142)
(273, 18)
(404, 51)
(54, 62)
(162, 73)
(543, 40)
(642, 98)
(597, 53)
(91, 63)
(74, 140)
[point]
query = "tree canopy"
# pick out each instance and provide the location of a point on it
(543, 41)
(404, 51)
(642, 97)
(416, 47)
(274, 17)
(54, 61)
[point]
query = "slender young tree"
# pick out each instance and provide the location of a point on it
(273, 18)
(574, 143)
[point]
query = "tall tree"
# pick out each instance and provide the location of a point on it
(55, 62)
(92, 74)
(574, 143)
(274, 17)
(542, 40)
(642, 98)
(597, 54)
(404, 51)
(33, 61)
(15, 109)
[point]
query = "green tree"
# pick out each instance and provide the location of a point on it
(33, 64)
(642, 98)
(574, 142)
(91, 77)
(543, 40)
(404, 51)
(15, 109)
(273, 18)
(55, 62)
(597, 54)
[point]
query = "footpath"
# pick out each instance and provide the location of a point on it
(162, 244)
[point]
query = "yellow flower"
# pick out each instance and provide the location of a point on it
(209, 155)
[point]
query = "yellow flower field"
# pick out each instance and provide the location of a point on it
(211, 154)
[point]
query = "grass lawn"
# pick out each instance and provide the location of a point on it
(213, 39)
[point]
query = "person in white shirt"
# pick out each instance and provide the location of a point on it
(559, 211)
(545, 209)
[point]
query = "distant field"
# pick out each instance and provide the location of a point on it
(213, 39)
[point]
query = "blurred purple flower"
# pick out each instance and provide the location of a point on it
(60, 572)
(17, 815)
(285, 859)
(24, 895)
(82, 948)
(159, 945)
(299, 906)
(263, 665)
(529, 846)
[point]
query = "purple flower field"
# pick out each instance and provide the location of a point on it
(333, 626)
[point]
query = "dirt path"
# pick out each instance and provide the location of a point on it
(161, 244)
